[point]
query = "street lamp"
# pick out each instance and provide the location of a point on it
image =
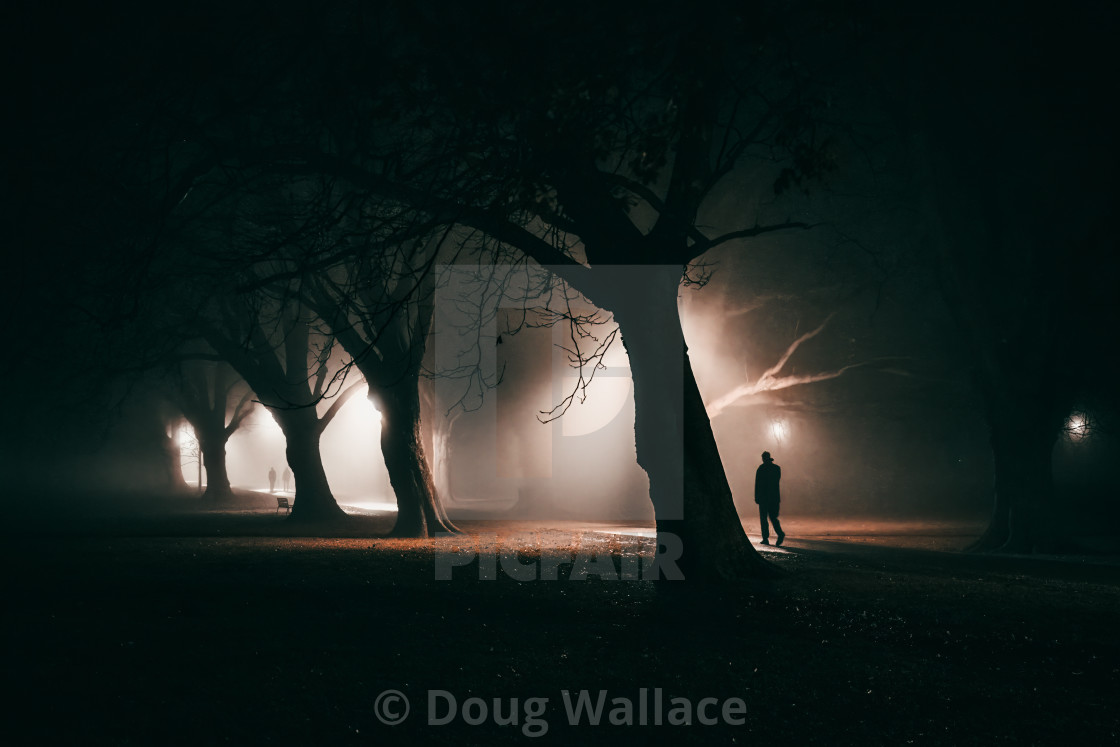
(1077, 427)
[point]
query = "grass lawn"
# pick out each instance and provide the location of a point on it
(232, 628)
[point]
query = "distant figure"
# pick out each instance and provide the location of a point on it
(271, 480)
(768, 497)
(287, 478)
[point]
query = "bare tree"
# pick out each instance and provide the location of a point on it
(216, 402)
(275, 346)
(382, 316)
(601, 175)
(368, 282)
(598, 161)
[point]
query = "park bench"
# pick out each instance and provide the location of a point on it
(282, 503)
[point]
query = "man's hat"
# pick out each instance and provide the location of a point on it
(766, 457)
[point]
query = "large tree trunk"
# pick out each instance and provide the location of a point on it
(313, 500)
(676, 447)
(213, 448)
(990, 260)
(419, 512)
(1022, 448)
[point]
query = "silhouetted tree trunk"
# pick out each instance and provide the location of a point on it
(314, 500)
(384, 323)
(1002, 283)
(202, 392)
(1022, 440)
(419, 511)
(673, 435)
(213, 450)
(290, 380)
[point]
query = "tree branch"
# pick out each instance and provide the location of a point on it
(240, 412)
(339, 401)
(700, 247)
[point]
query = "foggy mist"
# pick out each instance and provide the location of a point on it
(852, 442)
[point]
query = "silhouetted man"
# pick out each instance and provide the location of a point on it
(287, 478)
(271, 480)
(768, 497)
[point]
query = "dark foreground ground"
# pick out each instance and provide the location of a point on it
(173, 632)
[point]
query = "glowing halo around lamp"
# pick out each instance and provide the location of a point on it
(266, 421)
(779, 430)
(1077, 427)
(606, 399)
(366, 409)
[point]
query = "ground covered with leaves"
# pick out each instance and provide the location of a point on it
(164, 631)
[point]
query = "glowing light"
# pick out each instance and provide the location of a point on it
(628, 532)
(360, 507)
(366, 409)
(265, 420)
(350, 447)
(186, 438)
(190, 456)
(351, 451)
(606, 396)
(779, 430)
(1077, 427)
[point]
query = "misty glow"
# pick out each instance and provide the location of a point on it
(1077, 427)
